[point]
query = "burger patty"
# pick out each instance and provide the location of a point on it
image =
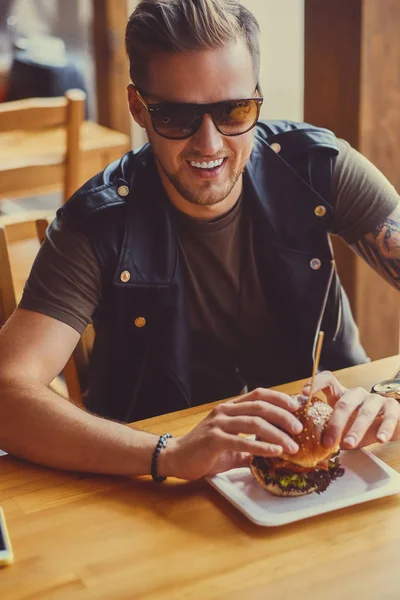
(289, 479)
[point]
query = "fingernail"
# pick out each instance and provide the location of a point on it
(297, 427)
(350, 440)
(293, 447)
(382, 437)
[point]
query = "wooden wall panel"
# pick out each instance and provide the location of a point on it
(352, 86)
(332, 65)
(112, 68)
(380, 86)
(379, 140)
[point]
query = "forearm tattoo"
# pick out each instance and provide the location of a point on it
(381, 249)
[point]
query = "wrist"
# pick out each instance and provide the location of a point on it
(166, 460)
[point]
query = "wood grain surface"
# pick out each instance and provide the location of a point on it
(89, 537)
(111, 63)
(352, 86)
(99, 147)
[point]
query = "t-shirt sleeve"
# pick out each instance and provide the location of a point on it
(65, 280)
(362, 195)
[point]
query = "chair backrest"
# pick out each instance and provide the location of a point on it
(19, 244)
(44, 113)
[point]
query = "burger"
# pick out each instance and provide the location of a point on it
(312, 468)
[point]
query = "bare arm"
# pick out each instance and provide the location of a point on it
(381, 248)
(40, 426)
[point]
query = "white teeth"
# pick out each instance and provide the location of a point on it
(207, 165)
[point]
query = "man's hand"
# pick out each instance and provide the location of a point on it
(359, 418)
(215, 445)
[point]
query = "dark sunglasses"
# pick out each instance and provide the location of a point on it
(179, 121)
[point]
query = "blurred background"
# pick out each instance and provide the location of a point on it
(72, 23)
(335, 63)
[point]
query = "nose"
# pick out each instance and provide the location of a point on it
(207, 140)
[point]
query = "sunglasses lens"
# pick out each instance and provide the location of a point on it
(236, 117)
(175, 121)
(180, 121)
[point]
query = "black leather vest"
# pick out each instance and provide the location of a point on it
(137, 372)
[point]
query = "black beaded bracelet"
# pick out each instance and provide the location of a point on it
(162, 443)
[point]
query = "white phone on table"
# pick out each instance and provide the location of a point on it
(6, 553)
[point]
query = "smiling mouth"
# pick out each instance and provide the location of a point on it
(207, 165)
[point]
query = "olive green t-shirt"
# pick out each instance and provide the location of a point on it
(234, 333)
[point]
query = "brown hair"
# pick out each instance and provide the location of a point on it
(186, 25)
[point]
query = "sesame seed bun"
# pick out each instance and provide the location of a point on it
(312, 468)
(311, 451)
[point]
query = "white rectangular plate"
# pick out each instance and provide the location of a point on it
(366, 478)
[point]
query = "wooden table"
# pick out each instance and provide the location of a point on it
(108, 538)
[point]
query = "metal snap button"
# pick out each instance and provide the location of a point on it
(315, 264)
(276, 147)
(320, 211)
(123, 190)
(140, 322)
(125, 276)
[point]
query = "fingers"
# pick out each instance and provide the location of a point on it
(344, 408)
(370, 409)
(267, 421)
(327, 383)
(361, 418)
(262, 413)
(358, 418)
(269, 396)
(234, 443)
(390, 419)
(262, 429)
(354, 417)
(257, 408)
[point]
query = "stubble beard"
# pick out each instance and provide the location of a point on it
(205, 196)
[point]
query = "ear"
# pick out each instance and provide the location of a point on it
(136, 108)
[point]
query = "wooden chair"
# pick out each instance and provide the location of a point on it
(44, 143)
(19, 243)
(26, 161)
(52, 133)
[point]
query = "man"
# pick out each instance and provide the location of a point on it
(203, 261)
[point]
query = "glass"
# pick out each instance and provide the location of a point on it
(179, 121)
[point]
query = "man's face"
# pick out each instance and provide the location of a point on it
(205, 76)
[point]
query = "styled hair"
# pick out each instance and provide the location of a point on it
(174, 26)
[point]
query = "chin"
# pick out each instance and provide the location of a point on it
(313, 468)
